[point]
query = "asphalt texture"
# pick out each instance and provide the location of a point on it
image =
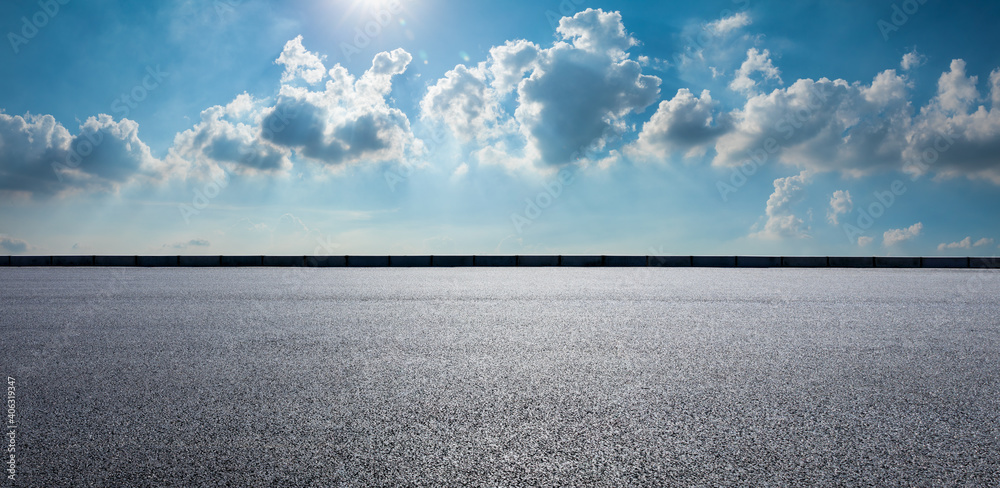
(503, 377)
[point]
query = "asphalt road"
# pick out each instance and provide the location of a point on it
(502, 377)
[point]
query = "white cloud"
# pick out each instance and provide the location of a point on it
(822, 125)
(230, 136)
(912, 60)
(347, 121)
(40, 157)
(781, 221)
(954, 135)
(840, 204)
(654, 63)
(510, 62)
(570, 98)
(896, 236)
(865, 241)
(465, 102)
(12, 245)
(300, 63)
(965, 244)
(726, 25)
(956, 91)
(756, 62)
(995, 89)
(684, 123)
(597, 31)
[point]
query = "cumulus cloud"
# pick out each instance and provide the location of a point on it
(12, 245)
(983, 242)
(756, 62)
(822, 125)
(465, 102)
(781, 221)
(840, 204)
(230, 136)
(597, 31)
(570, 98)
(865, 241)
(348, 121)
(955, 135)
(510, 62)
(300, 63)
(895, 236)
(684, 123)
(39, 156)
(912, 60)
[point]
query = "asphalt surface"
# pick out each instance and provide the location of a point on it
(503, 377)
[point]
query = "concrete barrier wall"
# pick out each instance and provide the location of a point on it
(31, 260)
(537, 261)
(242, 261)
(157, 261)
(713, 261)
(897, 262)
(326, 261)
(625, 261)
(981, 263)
(367, 261)
(758, 262)
(116, 261)
(72, 260)
(805, 261)
(495, 261)
(669, 261)
(283, 261)
(452, 261)
(199, 261)
(507, 261)
(410, 261)
(851, 262)
(944, 262)
(582, 261)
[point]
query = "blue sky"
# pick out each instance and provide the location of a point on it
(439, 127)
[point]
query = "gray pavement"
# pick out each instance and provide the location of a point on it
(503, 377)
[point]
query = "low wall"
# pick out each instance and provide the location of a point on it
(506, 261)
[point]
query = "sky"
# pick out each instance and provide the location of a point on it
(295, 127)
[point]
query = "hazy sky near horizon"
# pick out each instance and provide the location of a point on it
(544, 127)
